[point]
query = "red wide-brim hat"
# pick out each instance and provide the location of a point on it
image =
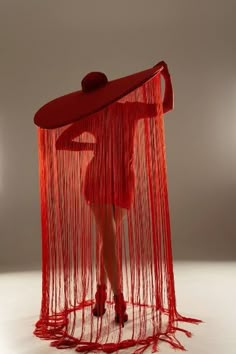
(97, 93)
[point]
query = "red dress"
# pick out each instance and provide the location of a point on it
(109, 177)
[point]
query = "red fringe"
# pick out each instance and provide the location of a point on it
(114, 159)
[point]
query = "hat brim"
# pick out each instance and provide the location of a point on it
(76, 105)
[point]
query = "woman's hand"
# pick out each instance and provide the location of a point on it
(163, 64)
(168, 102)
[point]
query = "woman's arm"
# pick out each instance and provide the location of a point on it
(168, 101)
(145, 110)
(140, 110)
(65, 140)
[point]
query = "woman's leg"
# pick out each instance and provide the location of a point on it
(105, 218)
(102, 270)
(119, 214)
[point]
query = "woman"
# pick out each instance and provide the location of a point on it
(109, 180)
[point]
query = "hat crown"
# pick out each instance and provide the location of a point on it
(93, 81)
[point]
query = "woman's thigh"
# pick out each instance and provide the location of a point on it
(107, 214)
(103, 213)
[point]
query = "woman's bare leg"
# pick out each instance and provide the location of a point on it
(119, 214)
(105, 219)
(102, 270)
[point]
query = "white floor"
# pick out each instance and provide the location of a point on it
(204, 290)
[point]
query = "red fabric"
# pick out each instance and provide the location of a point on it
(114, 158)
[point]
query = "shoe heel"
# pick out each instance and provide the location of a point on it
(120, 309)
(100, 296)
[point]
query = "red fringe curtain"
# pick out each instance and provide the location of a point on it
(114, 157)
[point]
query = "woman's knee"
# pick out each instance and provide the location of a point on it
(104, 218)
(119, 214)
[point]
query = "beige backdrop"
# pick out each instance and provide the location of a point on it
(46, 47)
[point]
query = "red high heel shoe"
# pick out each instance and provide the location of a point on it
(120, 307)
(100, 296)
